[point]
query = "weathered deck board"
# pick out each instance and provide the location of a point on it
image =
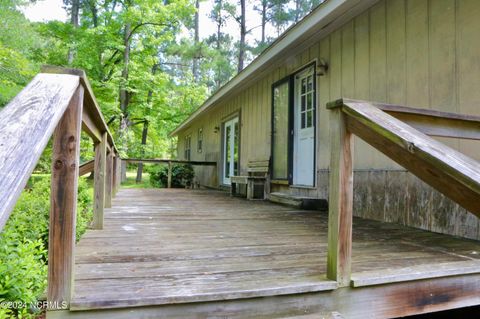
(179, 246)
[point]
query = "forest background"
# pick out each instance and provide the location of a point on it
(148, 65)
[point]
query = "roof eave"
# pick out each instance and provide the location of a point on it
(317, 19)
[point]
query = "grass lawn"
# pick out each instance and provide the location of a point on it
(130, 182)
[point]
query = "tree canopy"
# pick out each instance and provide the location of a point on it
(147, 64)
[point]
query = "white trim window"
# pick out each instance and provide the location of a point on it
(187, 147)
(200, 140)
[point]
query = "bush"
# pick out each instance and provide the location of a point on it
(182, 175)
(24, 243)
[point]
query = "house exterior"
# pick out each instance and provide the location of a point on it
(419, 53)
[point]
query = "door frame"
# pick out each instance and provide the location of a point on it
(224, 120)
(293, 113)
(291, 119)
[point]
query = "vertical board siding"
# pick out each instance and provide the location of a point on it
(417, 49)
(323, 127)
(422, 53)
(396, 52)
(362, 83)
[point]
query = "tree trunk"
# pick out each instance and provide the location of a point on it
(124, 95)
(218, 44)
(297, 10)
(145, 131)
(241, 51)
(74, 21)
(264, 19)
(92, 4)
(144, 142)
(197, 40)
(219, 26)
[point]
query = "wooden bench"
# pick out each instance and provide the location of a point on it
(257, 174)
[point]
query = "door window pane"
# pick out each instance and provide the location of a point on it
(309, 118)
(306, 103)
(235, 150)
(200, 140)
(228, 154)
(280, 131)
(186, 154)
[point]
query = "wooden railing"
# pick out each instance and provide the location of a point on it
(60, 102)
(169, 162)
(401, 133)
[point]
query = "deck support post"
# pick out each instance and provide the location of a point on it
(123, 171)
(99, 182)
(109, 180)
(114, 175)
(340, 200)
(119, 173)
(63, 204)
(169, 181)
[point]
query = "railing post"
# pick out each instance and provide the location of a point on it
(99, 182)
(169, 175)
(119, 172)
(340, 199)
(114, 175)
(123, 172)
(109, 179)
(63, 203)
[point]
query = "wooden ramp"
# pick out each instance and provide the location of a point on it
(202, 254)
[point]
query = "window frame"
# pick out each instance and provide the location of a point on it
(200, 140)
(187, 149)
(290, 78)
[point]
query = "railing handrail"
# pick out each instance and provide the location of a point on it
(26, 125)
(166, 161)
(28, 122)
(93, 120)
(395, 131)
(169, 162)
(428, 121)
(59, 104)
(441, 159)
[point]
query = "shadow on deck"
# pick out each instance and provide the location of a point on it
(172, 253)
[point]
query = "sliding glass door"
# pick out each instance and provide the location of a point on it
(230, 149)
(280, 130)
(293, 128)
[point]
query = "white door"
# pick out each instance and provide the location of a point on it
(230, 150)
(304, 129)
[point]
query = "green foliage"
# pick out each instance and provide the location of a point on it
(182, 175)
(18, 44)
(24, 242)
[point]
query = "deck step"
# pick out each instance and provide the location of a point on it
(302, 202)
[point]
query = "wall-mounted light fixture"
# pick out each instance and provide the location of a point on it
(216, 129)
(322, 67)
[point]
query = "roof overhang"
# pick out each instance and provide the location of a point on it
(319, 23)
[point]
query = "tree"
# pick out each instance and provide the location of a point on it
(240, 18)
(74, 6)
(265, 5)
(302, 8)
(279, 16)
(220, 64)
(19, 47)
(243, 33)
(196, 40)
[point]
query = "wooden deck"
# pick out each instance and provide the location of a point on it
(216, 254)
